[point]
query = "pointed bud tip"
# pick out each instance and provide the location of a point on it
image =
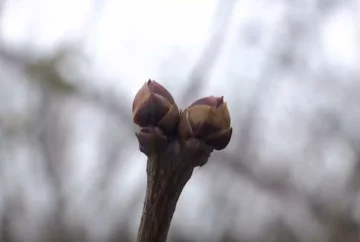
(209, 101)
(157, 88)
(219, 101)
(150, 82)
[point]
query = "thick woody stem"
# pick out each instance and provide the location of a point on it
(167, 174)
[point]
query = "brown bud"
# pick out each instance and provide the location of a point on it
(154, 106)
(207, 119)
(151, 139)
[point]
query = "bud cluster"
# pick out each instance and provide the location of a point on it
(155, 111)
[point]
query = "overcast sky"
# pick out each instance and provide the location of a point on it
(132, 39)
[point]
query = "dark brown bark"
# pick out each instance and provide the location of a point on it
(168, 172)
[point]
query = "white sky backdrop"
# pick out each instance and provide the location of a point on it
(132, 39)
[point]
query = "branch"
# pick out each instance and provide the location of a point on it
(167, 174)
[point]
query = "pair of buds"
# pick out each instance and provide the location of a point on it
(207, 119)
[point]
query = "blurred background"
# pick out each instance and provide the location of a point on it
(70, 169)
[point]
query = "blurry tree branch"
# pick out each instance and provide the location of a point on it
(212, 50)
(46, 72)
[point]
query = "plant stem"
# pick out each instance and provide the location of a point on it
(167, 175)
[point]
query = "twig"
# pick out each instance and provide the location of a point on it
(167, 175)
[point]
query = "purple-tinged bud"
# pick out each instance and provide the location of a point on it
(154, 106)
(207, 119)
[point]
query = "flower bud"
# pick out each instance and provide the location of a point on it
(151, 139)
(153, 105)
(207, 119)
